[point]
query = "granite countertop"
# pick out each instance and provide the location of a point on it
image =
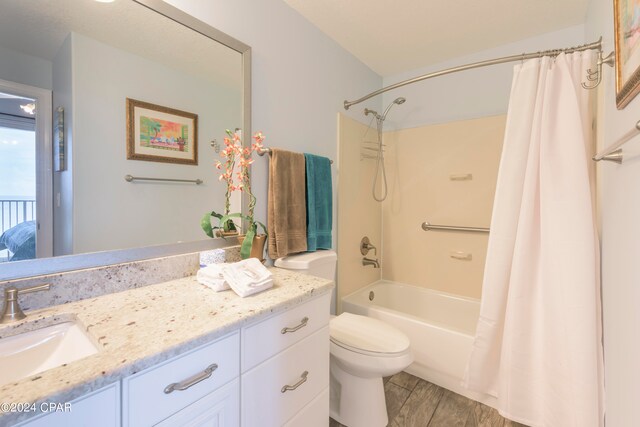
(142, 327)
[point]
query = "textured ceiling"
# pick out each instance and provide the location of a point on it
(402, 35)
(39, 27)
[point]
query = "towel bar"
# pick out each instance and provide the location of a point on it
(613, 153)
(266, 150)
(130, 178)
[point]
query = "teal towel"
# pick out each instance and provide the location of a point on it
(319, 202)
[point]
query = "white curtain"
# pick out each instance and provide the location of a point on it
(538, 344)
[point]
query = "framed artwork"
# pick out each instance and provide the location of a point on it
(161, 134)
(627, 40)
(59, 160)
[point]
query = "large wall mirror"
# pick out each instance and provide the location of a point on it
(68, 72)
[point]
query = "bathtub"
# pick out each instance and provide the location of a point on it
(440, 326)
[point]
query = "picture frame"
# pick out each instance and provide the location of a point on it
(161, 134)
(627, 45)
(59, 158)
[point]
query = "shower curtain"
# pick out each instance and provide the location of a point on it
(538, 344)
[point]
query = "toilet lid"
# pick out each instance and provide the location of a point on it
(367, 334)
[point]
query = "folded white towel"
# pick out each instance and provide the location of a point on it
(212, 277)
(247, 277)
(246, 291)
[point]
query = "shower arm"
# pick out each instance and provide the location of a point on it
(592, 76)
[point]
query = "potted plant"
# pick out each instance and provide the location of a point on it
(226, 230)
(251, 243)
(228, 227)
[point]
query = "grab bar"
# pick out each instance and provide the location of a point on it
(426, 227)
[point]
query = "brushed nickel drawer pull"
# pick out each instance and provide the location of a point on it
(303, 379)
(183, 385)
(302, 324)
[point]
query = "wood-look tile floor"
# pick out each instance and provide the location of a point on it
(413, 402)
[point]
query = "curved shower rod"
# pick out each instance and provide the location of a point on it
(592, 76)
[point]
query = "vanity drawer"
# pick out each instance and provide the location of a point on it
(265, 339)
(264, 400)
(145, 401)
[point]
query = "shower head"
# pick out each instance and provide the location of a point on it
(398, 101)
(368, 111)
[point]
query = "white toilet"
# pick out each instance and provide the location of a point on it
(363, 350)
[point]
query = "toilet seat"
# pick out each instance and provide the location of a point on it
(367, 336)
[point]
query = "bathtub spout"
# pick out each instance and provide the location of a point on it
(367, 261)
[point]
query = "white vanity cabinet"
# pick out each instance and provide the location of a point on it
(285, 368)
(274, 372)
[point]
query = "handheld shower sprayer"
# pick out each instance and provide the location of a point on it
(397, 101)
(380, 156)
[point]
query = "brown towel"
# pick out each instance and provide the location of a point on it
(287, 207)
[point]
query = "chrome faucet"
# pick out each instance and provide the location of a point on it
(11, 311)
(368, 261)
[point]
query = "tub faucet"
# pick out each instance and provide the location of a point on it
(368, 261)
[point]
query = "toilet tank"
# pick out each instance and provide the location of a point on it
(320, 263)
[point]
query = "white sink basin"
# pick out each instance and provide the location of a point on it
(36, 351)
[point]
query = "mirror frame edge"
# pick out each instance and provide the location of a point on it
(54, 265)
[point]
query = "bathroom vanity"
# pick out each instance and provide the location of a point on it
(177, 353)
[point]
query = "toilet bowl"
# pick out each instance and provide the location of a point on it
(363, 350)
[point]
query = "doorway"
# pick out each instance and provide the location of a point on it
(25, 173)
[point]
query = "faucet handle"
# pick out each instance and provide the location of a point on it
(11, 310)
(366, 246)
(36, 288)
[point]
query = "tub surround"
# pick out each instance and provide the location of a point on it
(453, 167)
(77, 285)
(144, 326)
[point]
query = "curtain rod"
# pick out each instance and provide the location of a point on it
(592, 76)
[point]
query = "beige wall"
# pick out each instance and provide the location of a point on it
(358, 214)
(419, 163)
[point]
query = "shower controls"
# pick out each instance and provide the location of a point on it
(366, 246)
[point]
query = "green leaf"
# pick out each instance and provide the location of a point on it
(247, 243)
(205, 223)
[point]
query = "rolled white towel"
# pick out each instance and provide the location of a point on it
(212, 277)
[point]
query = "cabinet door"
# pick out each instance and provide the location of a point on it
(218, 409)
(98, 409)
(315, 414)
